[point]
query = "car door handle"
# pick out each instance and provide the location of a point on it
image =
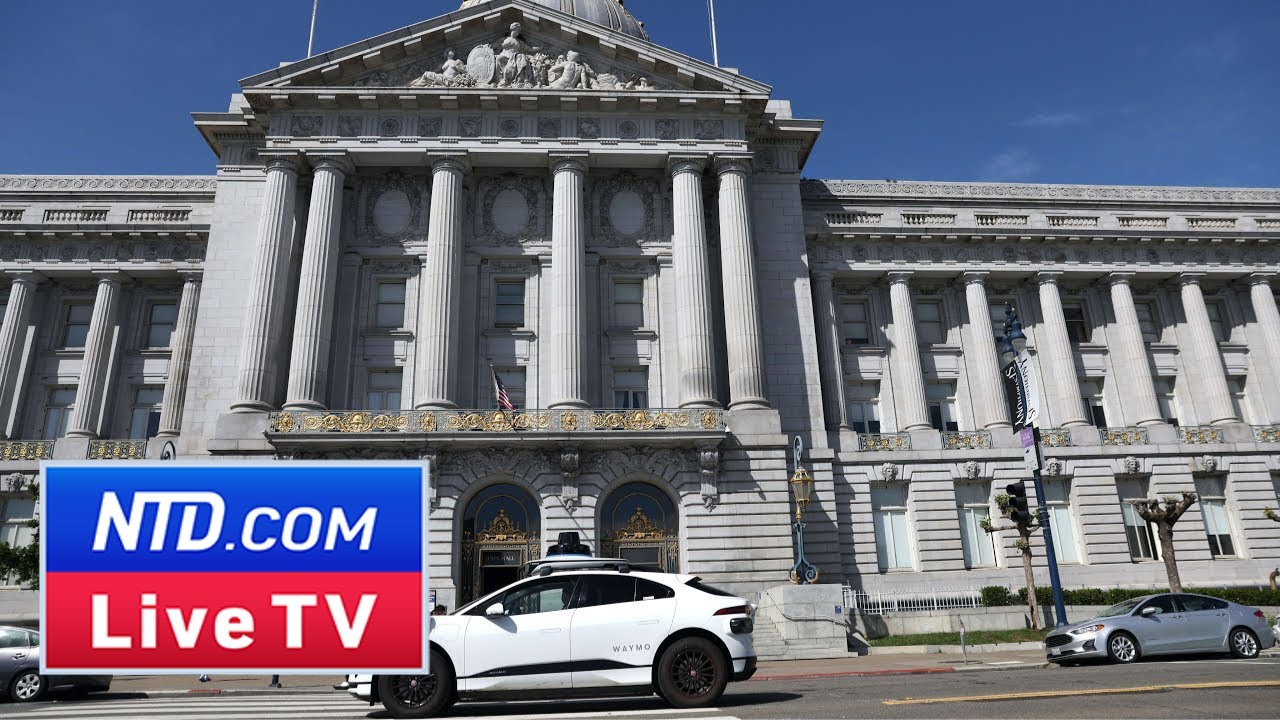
(647, 622)
(19, 656)
(1175, 617)
(549, 631)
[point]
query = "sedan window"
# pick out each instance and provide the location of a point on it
(1164, 604)
(607, 590)
(12, 637)
(1195, 603)
(541, 596)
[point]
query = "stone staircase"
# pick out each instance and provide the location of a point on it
(770, 645)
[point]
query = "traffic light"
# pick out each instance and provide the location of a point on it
(1018, 510)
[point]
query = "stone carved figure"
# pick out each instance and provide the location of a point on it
(514, 60)
(570, 72)
(453, 73)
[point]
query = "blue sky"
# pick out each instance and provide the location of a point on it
(1161, 92)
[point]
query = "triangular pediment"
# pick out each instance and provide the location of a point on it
(487, 58)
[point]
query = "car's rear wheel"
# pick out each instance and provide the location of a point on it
(418, 696)
(692, 673)
(1122, 648)
(1243, 643)
(26, 686)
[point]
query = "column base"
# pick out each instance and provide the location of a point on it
(250, 406)
(71, 448)
(568, 404)
(304, 406)
(240, 432)
(436, 405)
(752, 420)
(700, 403)
(85, 434)
(1161, 433)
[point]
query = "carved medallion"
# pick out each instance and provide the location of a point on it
(668, 129)
(481, 65)
(628, 130)
(469, 127)
(392, 208)
(589, 128)
(708, 129)
(305, 125)
(627, 213)
(389, 127)
(348, 126)
(549, 128)
(509, 128)
(510, 210)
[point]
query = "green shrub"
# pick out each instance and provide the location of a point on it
(1044, 596)
(996, 596)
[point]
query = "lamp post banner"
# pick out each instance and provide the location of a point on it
(1022, 390)
(266, 568)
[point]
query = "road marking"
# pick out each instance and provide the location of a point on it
(1005, 662)
(1072, 693)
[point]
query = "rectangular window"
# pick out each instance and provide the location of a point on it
(388, 312)
(57, 411)
(929, 329)
(1139, 533)
(161, 319)
(15, 512)
(893, 537)
(973, 503)
(75, 327)
(997, 319)
(941, 397)
(631, 388)
(1239, 397)
(513, 379)
(1166, 400)
(864, 406)
(509, 307)
(1091, 395)
(1217, 320)
(1213, 507)
(1148, 324)
(1057, 497)
(144, 418)
(855, 323)
(1078, 329)
(628, 303)
(383, 392)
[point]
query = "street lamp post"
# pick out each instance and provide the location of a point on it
(803, 572)
(1013, 348)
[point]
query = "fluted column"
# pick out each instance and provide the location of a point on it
(175, 389)
(741, 297)
(1062, 386)
(829, 365)
(1129, 356)
(904, 354)
(257, 370)
(17, 315)
(439, 289)
(1267, 315)
(568, 288)
(695, 349)
(985, 386)
(313, 321)
(97, 357)
(1202, 355)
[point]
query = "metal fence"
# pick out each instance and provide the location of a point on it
(881, 602)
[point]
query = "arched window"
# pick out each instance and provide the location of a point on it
(638, 522)
(500, 532)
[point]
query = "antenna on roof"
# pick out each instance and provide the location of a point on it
(715, 51)
(312, 37)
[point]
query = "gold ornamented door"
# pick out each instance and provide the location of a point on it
(500, 533)
(639, 523)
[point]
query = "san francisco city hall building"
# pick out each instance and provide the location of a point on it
(623, 234)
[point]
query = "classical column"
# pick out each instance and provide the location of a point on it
(568, 289)
(313, 321)
(741, 303)
(439, 289)
(12, 335)
(97, 357)
(257, 371)
(1203, 358)
(829, 365)
(1062, 385)
(1129, 356)
(985, 385)
(904, 354)
(693, 285)
(1268, 319)
(175, 389)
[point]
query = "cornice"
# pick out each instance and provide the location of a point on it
(108, 183)
(861, 189)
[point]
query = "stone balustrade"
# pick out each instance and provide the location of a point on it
(853, 218)
(1143, 222)
(117, 450)
(966, 440)
(1125, 436)
(1199, 434)
(26, 450)
(498, 421)
(159, 215)
(1073, 220)
(1268, 224)
(994, 220)
(11, 214)
(927, 219)
(883, 441)
(75, 215)
(1213, 223)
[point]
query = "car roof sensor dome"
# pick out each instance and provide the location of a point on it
(568, 543)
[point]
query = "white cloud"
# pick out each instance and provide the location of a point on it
(1052, 120)
(1010, 166)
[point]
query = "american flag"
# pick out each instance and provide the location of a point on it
(500, 390)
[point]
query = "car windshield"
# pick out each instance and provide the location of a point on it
(709, 589)
(1118, 609)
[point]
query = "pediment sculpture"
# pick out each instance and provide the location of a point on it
(514, 63)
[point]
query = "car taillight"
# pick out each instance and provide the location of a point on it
(735, 610)
(1259, 613)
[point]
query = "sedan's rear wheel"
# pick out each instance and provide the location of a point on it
(26, 686)
(418, 696)
(1122, 648)
(1243, 643)
(692, 673)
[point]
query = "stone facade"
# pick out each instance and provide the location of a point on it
(636, 254)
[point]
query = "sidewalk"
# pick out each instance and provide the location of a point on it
(168, 685)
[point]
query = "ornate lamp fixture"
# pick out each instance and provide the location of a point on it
(803, 572)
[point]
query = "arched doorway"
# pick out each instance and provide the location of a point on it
(500, 532)
(638, 522)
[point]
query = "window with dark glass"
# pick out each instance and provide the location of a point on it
(929, 326)
(628, 303)
(144, 418)
(941, 397)
(631, 388)
(864, 406)
(75, 326)
(389, 307)
(509, 311)
(855, 323)
(161, 319)
(606, 590)
(1078, 330)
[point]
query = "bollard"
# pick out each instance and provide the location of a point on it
(964, 649)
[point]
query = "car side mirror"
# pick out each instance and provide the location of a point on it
(1149, 611)
(494, 610)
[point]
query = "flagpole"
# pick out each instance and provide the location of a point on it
(312, 37)
(715, 50)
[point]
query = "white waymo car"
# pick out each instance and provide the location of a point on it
(579, 627)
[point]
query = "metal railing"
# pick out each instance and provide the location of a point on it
(966, 440)
(1125, 436)
(1266, 433)
(883, 441)
(1055, 437)
(117, 450)
(927, 598)
(26, 450)
(1198, 434)
(534, 421)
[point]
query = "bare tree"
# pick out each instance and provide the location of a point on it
(1023, 543)
(1164, 513)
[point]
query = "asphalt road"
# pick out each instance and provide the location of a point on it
(1220, 688)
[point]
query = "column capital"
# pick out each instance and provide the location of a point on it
(825, 276)
(1190, 278)
(287, 160)
(726, 164)
(1261, 278)
(27, 277)
(331, 160)
(677, 164)
(114, 277)
(900, 277)
(568, 162)
(459, 162)
(973, 277)
(191, 276)
(1119, 278)
(1048, 277)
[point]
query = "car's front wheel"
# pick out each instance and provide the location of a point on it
(692, 673)
(26, 686)
(1122, 648)
(1243, 643)
(418, 696)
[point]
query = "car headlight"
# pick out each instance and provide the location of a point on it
(1087, 629)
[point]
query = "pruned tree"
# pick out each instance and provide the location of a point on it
(1164, 513)
(22, 564)
(1004, 503)
(1270, 513)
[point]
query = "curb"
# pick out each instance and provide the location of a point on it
(148, 694)
(953, 649)
(904, 671)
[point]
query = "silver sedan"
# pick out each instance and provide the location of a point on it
(20, 678)
(1163, 624)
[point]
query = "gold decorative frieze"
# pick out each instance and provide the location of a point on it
(1055, 437)
(970, 440)
(26, 450)
(1266, 433)
(1125, 436)
(117, 450)
(498, 421)
(884, 441)
(1199, 434)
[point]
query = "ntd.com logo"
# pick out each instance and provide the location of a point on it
(280, 567)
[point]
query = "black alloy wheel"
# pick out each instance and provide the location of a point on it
(418, 696)
(692, 673)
